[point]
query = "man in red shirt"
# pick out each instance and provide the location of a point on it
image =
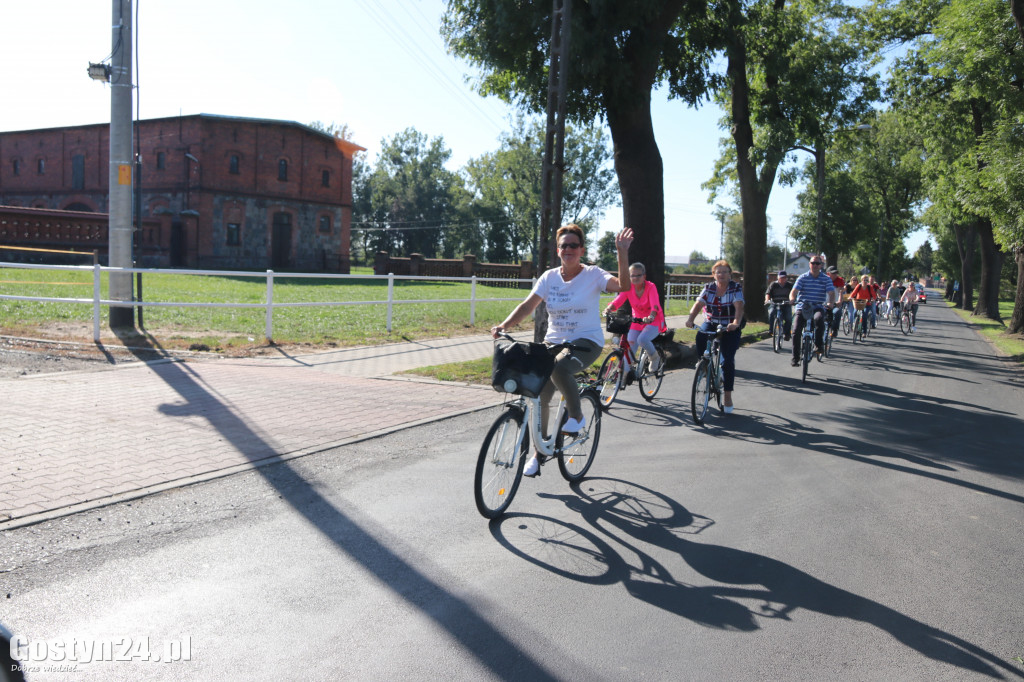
(840, 284)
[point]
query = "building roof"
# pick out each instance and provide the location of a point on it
(345, 146)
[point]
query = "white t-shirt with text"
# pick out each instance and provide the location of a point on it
(574, 307)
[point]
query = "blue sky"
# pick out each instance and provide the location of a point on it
(378, 66)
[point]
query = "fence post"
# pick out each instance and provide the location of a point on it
(269, 330)
(472, 300)
(391, 297)
(96, 302)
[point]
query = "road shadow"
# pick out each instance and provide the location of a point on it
(636, 518)
(355, 538)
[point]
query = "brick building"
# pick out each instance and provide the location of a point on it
(216, 191)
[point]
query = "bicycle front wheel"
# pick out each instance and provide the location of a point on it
(499, 469)
(905, 323)
(806, 350)
(847, 323)
(649, 382)
(701, 393)
(609, 378)
(777, 336)
(576, 451)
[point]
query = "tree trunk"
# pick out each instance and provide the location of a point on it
(965, 238)
(1016, 325)
(639, 168)
(991, 271)
(753, 198)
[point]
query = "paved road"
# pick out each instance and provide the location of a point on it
(865, 525)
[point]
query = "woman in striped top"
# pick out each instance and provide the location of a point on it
(722, 301)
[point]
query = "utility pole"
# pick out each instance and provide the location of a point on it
(120, 176)
(554, 148)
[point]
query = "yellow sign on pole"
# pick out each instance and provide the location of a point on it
(124, 174)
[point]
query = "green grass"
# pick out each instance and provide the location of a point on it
(1010, 344)
(479, 371)
(225, 327)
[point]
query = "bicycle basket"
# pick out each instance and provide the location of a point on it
(521, 368)
(860, 303)
(617, 323)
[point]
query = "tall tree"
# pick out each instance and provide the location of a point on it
(960, 82)
(412, 198)
(509, 181)
(619, 52)
(795, 73)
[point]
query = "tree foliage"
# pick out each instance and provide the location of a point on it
(619, 51)
(796, 72)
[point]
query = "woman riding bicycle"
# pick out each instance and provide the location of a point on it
(571, 293)
(643, 299)
(722, 301)
(909, 302)
(863, 292)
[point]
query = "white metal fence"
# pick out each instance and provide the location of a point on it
(675, 292)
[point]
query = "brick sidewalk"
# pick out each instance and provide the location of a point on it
(131, 431)
(76, 441)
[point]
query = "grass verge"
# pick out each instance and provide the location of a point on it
(479, 371)
(1011, 345)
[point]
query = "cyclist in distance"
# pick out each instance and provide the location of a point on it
(864, 292)
(722, 301)
(892, 296)
(909, 298)
(811, 292)
(778, 292)
(643, 299)
(840, 286)
(571, 293)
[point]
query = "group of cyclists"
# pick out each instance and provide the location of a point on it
(572, 293)
(575, 339)
(822, 297)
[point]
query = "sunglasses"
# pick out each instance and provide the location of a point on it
(570, 245)
(816, 262)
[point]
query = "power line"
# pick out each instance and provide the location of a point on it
(386, 21)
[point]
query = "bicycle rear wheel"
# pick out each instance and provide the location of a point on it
(847, 322)
(829, 336)
(905, 323)
(701, 392)
(649, 382)
(576, 451)
(609, 378)
(499, 469)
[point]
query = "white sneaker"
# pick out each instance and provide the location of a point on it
(655, 364)
(913, 329)
(574, 425)
(532, 467)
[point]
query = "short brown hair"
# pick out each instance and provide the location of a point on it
(571, 228)
(720, 263)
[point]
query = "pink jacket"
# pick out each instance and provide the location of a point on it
(642, 305)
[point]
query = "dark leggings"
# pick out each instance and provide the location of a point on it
(730, 344)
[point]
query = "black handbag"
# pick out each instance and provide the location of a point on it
(521, 368)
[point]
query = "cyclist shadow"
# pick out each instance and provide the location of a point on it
(661, 413)
(632, 515)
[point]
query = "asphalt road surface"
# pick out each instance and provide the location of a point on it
(865, 525)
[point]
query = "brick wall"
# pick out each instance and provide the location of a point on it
(200, 175)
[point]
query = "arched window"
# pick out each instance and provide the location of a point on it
(282, 170)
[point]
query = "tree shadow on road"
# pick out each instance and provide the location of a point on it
(637, 517)
(356, 538)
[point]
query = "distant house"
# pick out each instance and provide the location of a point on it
(798, 263)
(214, 192)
